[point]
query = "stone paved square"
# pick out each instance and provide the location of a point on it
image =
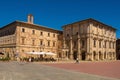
(38, 71)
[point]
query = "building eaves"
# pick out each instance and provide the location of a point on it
(39, 26)
(89, 20)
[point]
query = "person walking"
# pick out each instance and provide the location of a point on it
(77, 60)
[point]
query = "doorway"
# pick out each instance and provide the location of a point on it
(83, 55)
(75, 55)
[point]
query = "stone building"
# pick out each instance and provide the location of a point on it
(86, 40)
(18, 37)
(89, 40)
(118, 49)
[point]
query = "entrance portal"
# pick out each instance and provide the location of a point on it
(83, 55)
(75, 55)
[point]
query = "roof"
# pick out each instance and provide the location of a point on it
(39, 26)
(89, 20)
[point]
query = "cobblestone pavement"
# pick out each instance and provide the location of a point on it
(106, 68)
(35, 71)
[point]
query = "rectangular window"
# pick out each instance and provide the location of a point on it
(53, 35)
(105, 44)
(48, 34)
(54, 44)
(41, 42)
(94, 43)
(48, 43)
(109, 44)
(99, 44)
(23, 30)
(41, 33)
(33, 31)
(83, 43)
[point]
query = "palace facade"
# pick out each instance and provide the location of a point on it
(89, 40)
(118, 49)
(18, 38)
(86, 40)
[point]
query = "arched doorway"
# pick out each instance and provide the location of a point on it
(105, 55)
(83, 55)
(75, 55)
(100, 55)
(94, 55)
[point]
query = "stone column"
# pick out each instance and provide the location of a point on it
(97, 47)
(89, 48)
(78, 48)
(64, 45)
(103, 50)
(71, 49)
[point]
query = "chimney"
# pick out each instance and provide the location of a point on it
(30, 18)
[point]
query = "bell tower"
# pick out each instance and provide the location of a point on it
(30, 18)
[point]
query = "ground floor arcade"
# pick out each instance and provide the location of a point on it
(95, 56)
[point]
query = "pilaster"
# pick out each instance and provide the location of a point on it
(78, 48)
(71, 48)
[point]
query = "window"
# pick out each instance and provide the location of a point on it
(53, 35)
(53, 43)
(109, 44)
(105, 44)
(74, 44)
(67, 35)
(23, 30)
(33, 42)
(48, 34)
(33, 31)
(23, 40)
(41, 42)
(48, 43)
(76, 33)
(94, 43)
(99, 44)
(113, 45)
(41, 33)
(83, 43)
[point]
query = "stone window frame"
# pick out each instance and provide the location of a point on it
(41, 42)
(105, 44)
(100, 44)
(110, 45)
(94, 42)
(54, 35)
(33, 31)
(41, 33)
(23, 30)
(48, 43)
(33, 42)
(54, 43)
(48, 34)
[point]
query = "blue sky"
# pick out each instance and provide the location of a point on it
(56, 13)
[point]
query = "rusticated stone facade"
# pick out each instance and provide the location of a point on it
(18, 38)
(89, 40)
